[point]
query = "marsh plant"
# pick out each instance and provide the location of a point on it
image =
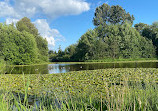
(98, 90)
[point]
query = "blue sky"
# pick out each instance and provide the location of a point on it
(63, 22)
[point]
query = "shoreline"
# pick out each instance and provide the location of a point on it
(91, 62)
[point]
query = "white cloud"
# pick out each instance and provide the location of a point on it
(14, 10)
(7, 10)
(49, 8)
(52, 35)
(55, 8)
(11, 20)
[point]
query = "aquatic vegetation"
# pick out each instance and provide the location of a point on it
(106, 89)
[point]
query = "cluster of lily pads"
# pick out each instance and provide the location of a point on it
(105, 89)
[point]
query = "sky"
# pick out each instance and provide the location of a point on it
(63, 22)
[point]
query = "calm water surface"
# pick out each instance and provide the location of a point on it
(62, 68)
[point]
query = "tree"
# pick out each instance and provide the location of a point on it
(25, 25)
(70, 50)
(140, 27)
(100, 49)
(42, 46)
(151, 33)
(105, 14)
(101, 15)
(85, 46)
(52, 55)
(60, 52)
(123, 41)
(112, 40)
(17, 47)
(113, 37)
(155, 25)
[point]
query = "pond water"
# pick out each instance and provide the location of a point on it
(62, 68)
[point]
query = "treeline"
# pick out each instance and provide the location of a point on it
(22, 44)
(113, 37)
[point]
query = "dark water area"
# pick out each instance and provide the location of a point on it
(62, 68)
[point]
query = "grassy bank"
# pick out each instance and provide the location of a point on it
(110, 61)
(109, 89)
(126, 60)
(97, 61)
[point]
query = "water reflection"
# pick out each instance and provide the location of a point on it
(32, 69)
(62, 68)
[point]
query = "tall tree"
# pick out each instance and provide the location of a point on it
(105, 14)
(25, 25)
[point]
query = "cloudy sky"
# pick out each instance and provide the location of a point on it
(62, 22)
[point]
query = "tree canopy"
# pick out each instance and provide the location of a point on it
(105, 14)
(17, 47)
(25, 25)
(22, 44)
(113, 37)
(150, 32)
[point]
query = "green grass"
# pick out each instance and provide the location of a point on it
(108, 89)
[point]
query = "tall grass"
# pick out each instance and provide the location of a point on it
(99, 90)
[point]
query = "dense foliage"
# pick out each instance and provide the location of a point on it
(150, 32)
(113, 37)
(18, 45)
(25, 25)
(2, 65)
(105, 14)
